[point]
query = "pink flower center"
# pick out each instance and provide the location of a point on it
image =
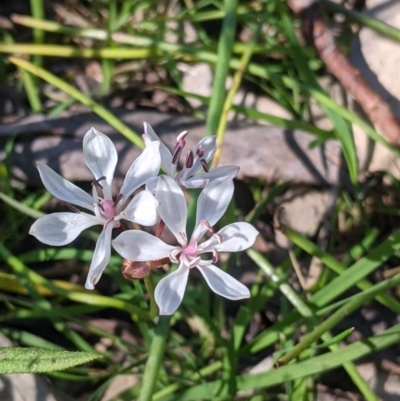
(190, 250)
(108, 207)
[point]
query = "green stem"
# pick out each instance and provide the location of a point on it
(153, 363)
(108, 64)
(237, 80)
(225, 45)
(31, 82)
(30, 85)
(37, 11)
(149, 284)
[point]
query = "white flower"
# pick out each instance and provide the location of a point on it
(101, 158)
(195, 172)
(212, 204)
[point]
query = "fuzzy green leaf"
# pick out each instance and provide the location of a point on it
(34, 360)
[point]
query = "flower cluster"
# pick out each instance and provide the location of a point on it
(161, 201)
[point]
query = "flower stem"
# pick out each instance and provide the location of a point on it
(156, 354)
(149, 284)
(157, 346)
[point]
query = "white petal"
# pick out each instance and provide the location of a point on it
(209, 147)
(173, 208)
(235, 237)
(166, 156)
(62, 228)
(141, 246)
(101, 257)
(195, 182)
(151, 185)
(170, 290)
(223, 284)
(212, 204)
(63, 189)
(100, 155)
(145, 166)
(142, 209)
(202, 179)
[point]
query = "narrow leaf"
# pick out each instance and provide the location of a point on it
(34, 360)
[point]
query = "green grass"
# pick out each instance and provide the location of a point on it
(206, 349)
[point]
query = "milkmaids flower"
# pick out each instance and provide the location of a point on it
(195, 172)
(212, 204)
(101, 158)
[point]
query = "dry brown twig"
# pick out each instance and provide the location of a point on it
(318, 33)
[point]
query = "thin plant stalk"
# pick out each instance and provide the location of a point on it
(196, 55)
(37, 10)
(117, 37)
(153, 363)
(224, 53)
(237, 79)
(26, 275)
(31, 91)
(362, 268)
(149, 284)
(30, 82)
(75, 93)
(107, 65)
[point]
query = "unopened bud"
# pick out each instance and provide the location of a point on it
(132, 270)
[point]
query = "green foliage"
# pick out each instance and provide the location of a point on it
(33, 360)
(207, 348)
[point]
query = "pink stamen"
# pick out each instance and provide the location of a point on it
(215, 257)
(207, 225)
(183, 238)
(218, 237)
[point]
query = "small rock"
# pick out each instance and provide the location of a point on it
(378, 59)
(303, 211)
